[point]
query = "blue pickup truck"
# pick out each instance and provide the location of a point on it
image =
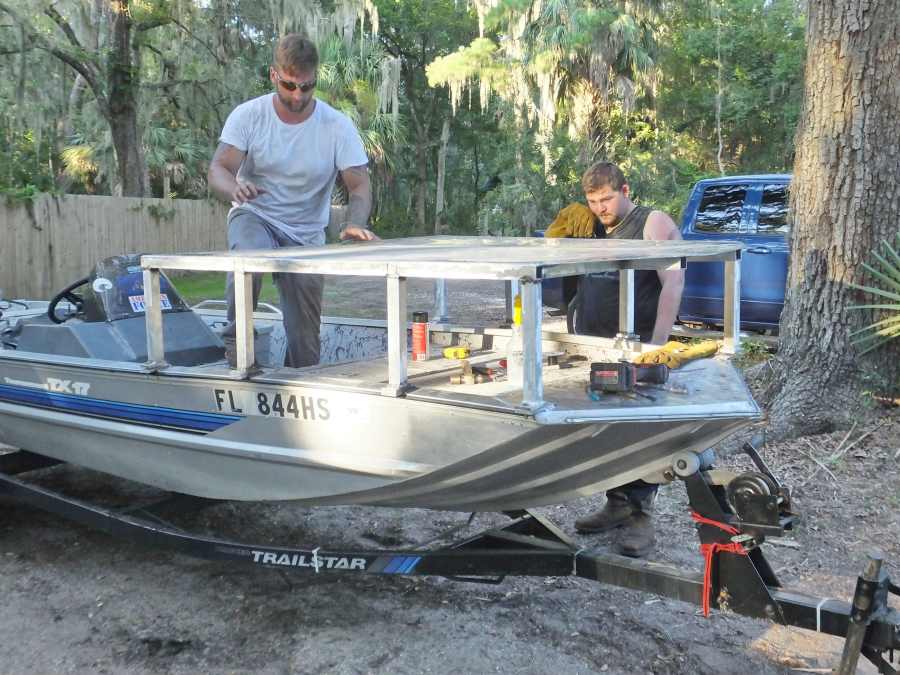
(752, 210)
(749, 209)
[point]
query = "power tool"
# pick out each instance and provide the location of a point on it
(622, 376)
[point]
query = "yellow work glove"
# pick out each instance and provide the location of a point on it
(575, 220)
(676, 354)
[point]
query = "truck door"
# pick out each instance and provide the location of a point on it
(716, 211)
(765, 257)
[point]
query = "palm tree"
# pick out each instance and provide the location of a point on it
(358, 79)
(559, 61)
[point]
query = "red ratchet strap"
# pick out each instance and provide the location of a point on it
(709, 550)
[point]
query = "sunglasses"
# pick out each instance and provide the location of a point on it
(293, 86)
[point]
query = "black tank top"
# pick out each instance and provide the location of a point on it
(597, 301)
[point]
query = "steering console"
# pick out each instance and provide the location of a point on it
(68, 293)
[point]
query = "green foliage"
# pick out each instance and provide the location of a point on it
(159, 212)
(763, 50)
(349, 79)
(479, 59)
(24, 160)
(195, 287)
(574, 81)
(886, 270)
(20, 195)
(753, 352)
(79, 163)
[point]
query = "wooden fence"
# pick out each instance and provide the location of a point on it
(51, 241)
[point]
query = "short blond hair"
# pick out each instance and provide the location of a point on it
(602, 174)
(295, 53)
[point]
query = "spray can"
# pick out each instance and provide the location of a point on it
(420, 336)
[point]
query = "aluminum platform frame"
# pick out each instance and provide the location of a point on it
(525, 261)
(531, 545)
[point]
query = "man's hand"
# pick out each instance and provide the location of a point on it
(358, 234)
(245, 190)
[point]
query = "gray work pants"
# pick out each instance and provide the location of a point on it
(300, 294)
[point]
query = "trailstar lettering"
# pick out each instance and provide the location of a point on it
(303, 560)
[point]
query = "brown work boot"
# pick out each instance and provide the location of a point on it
(638, 536)
(615, 513)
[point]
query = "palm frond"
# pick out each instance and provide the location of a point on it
(879, 333)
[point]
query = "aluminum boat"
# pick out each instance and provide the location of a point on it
(121, 376)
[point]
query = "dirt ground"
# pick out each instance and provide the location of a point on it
(75, 600)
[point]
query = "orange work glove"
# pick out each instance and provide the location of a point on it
(675, 354)
(575, 220)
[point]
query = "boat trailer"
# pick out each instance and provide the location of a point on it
(733, 520)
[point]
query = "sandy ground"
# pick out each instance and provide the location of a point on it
(76, 600)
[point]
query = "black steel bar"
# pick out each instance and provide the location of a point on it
(884, 666)
(510, 560)
(641, 575)
(833, 617)
(750, 450)
(173, 503)
(862, 606)
(493, 539)
(539, 526)
(22, 461)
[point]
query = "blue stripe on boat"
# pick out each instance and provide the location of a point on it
(188, 420)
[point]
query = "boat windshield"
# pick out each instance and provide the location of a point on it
(117, 291)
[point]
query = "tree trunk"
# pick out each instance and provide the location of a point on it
(845, 199)
(123, 80)
(420, 120)
(720, 85)
(441, 176)
(74, 105)
(421, 180)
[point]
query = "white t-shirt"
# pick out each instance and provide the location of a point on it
(296, 164)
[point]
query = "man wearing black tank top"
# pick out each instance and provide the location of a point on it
(657, 298)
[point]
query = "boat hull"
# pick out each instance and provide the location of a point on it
(276, 440)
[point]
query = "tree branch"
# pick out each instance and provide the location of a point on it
(172, 83)
(202, 42)
(155, 22)
(8, 52)
(64, 26)
(83, 67)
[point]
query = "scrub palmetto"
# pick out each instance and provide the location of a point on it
(886, 269)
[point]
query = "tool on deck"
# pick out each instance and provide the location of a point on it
(473, 374)
(622, 376)
(458, 352)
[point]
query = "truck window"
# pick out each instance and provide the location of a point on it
(773, 210)
(720, 209)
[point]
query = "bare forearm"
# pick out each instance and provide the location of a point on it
(222, 183)
(360, 206)
(667, 310)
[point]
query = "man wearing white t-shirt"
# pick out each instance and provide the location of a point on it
(277, 161)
